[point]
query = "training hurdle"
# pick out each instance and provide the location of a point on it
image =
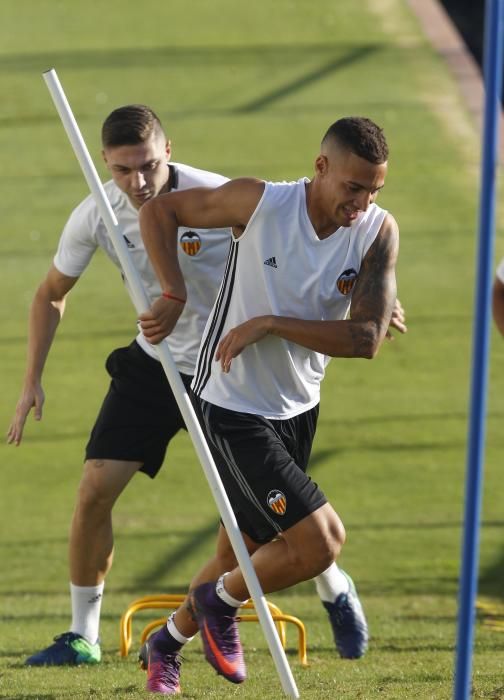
(173, 601)
(491, 613)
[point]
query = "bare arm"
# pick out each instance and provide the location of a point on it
(230, 205)
(46, 312)
(498, 304)
(359, 336)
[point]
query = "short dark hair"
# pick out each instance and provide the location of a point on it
(361, 136)
(129, 125)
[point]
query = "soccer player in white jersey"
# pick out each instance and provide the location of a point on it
(139, 415)
(310, 275)
(498, 297)
(128, 436)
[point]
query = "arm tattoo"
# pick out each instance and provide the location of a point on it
(375, 292)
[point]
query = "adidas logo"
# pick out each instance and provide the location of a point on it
(128, 242)
(271, 262)
(95, 598)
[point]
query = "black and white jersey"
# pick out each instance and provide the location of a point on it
(202, 255)
(279, 266)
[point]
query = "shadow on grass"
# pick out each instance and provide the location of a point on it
(490, 580)
(402, 646)
(319, 457)
(413, 417)
(187, 548)
(205, 532)
(357, 54)
(182, 56)
(282, 56)
(407, 648)
(392, 586)
(148, 580)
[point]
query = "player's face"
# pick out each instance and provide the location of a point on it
(348, 185)
(140, 170)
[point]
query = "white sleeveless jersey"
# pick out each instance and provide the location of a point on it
(500, 271)
(279, 266)
(202, 256)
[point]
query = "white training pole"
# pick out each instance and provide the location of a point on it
(142, 305)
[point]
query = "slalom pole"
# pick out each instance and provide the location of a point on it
(142, 304)
(494, 39)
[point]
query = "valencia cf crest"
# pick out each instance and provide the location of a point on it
(346, 281)
(277, 502)
(190, 243)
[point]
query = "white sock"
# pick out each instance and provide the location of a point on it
(86, 607)
(330, 583)
(173, 630)
(224, 595)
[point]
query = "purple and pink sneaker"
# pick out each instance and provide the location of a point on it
(219, 631)
(160, 655)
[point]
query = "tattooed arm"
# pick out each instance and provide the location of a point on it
(375, 291)
(359, 336)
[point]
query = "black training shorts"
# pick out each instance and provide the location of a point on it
(139, 414)
(262, 464)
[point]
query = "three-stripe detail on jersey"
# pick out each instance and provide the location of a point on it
(214, 330)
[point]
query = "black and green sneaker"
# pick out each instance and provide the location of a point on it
(69, 649)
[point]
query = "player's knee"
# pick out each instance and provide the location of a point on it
(323, 545)
(325, 552)
(332, 539)
(93, 494)
(337, 534)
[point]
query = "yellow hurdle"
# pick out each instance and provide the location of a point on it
(169, 601)
(492, 612)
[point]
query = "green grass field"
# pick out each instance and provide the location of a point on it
(248, 89)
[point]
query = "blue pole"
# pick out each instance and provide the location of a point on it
(494, 39)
